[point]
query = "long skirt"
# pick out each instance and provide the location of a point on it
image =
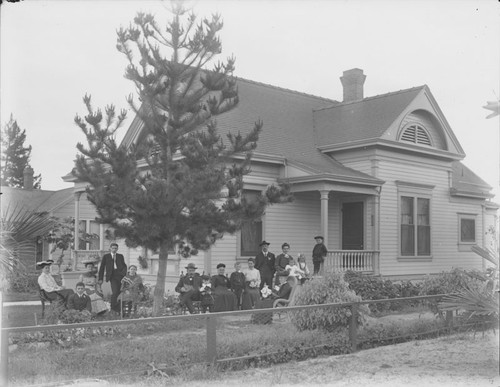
(98, 304)
(250, 298)
(224, 299)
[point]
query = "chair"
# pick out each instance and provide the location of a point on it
(44, 298)
(283, 302)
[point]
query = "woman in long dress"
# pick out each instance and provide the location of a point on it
(224, 299)
(89, 279)
(252, 285)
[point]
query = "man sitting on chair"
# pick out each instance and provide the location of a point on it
(48, 284)
(189, 287)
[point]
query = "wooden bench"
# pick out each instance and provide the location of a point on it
(43, 299)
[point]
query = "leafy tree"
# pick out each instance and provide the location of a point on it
(15, 156)
(182, 183)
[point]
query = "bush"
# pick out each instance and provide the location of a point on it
(330, 289)
(450, 282)
(375, 288)
(72, 316)
(22, 282)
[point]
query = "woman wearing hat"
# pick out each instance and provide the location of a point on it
(48, 284)
(89, 279)
(224, 299)
(189, 287)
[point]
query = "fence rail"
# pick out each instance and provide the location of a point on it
(211, 325)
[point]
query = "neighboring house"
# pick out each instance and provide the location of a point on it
(59, 204)
(380, 177)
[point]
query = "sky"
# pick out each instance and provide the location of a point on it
(54, 52)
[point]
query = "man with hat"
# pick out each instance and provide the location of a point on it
(318, 254)
(189, 287)
(115, 267)
(264, 263)
(48, 284)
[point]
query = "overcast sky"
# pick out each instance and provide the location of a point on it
(53, 52)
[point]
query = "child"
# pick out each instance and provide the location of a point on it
(207, 300)
(294, 270)
(79, 300)
(131, 291)
(303, 267)
(237, 281)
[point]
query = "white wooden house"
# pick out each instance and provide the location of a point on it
(380, 177)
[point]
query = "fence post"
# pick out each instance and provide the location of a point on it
(4, 367)
(353, 328)
(211, 338)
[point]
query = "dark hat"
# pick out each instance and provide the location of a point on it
(251, 259)
(220, 265)
(89, 261)
(264, 243)
(191, 265)
(319, 237)
(42, 264)
(285, 245)
(205, 277)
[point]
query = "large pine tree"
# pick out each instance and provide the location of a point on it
(15, 156)
(182, 183)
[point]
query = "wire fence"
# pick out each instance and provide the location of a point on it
(215, 333)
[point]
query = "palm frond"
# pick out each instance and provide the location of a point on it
(489, 254)
(478, 302)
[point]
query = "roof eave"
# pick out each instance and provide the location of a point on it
(470, 194)
(334, 178)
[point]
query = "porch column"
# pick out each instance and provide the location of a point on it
(324, 215)
(77, 220)
(376, 234)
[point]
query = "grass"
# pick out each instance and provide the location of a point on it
(21, 315)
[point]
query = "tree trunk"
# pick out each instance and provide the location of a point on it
(160, 280)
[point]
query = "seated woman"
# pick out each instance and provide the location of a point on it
(131, 290)
(48, 284)
(93, 290)
(252, 285)
(224, 299)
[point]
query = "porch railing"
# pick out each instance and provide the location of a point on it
(355, 260)
(79, 256)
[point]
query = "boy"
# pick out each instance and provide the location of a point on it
(318, 254)
(207, 300)
(80, 300)
(237, 281)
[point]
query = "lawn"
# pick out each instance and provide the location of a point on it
(21, 315)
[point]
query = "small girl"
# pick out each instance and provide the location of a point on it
(295, 270)
(207, 300)
(303, 266)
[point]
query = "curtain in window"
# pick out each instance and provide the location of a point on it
(94, 232)
(424, 227)
(407, 226)
(467, 230)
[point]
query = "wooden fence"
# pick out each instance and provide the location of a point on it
(211, 326)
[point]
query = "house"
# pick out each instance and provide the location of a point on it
(59, 204)
(380, 177)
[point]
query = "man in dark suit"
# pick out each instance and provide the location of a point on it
(189, 287)
(114, 266)
(264, 262)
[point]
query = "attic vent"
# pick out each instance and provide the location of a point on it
(415, 134)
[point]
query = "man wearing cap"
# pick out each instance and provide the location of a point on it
(264, 263)
(114, 266)
(48, 284)
(189, 287)
(282, 262)
(318, 254)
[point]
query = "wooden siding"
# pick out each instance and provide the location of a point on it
(444, 222)
(224, 251)
(426, 120)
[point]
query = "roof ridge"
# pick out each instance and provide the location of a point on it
(372, 97)
(286, 90)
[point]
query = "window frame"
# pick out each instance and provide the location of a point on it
(414, 191)
(466, 245)
(87, 230)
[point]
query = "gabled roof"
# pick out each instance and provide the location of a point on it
(36, 199)
(467, 183)
(361, 120)
(287, 132)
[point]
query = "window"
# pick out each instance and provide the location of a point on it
(89, 235)
(415, 134)
(415, 226)
(467, 228)
(251, 231)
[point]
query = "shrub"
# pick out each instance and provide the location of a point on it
(22, 282)
(330, 289)
(376, 288)
(71, 316)
(450, 282)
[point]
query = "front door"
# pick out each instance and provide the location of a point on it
(352, 226)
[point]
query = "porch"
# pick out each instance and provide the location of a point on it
(365, 261)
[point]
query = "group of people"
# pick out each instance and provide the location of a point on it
(267, 275)
(126, 285)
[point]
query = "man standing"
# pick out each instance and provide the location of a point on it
(319, 254)
(264, 263)
(189, 287)
(114, 266)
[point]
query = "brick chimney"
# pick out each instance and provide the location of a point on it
(353, 81)
(28, 178)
